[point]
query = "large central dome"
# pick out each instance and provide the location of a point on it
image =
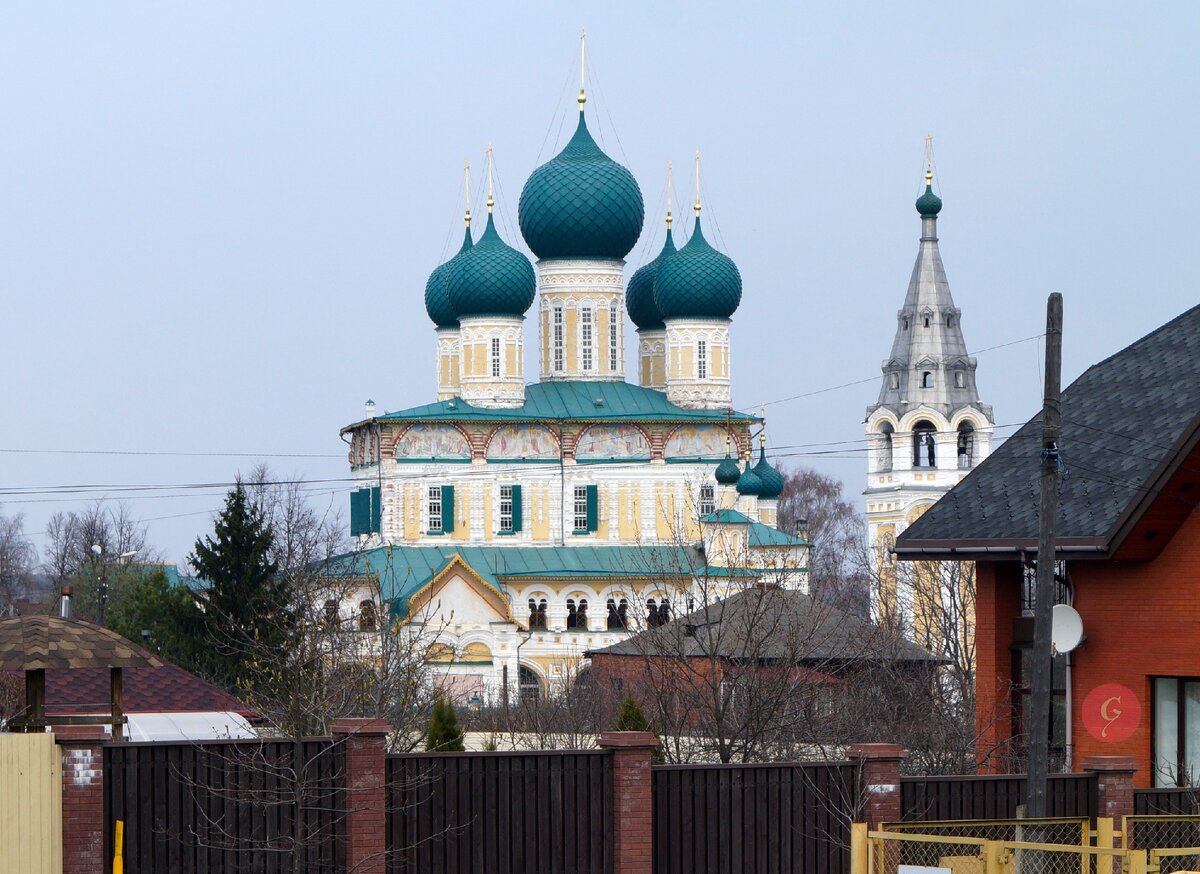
(581, 204)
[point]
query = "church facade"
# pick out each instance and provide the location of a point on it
(517, 526)
(926, 432)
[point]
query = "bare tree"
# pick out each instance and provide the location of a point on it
(18, 557)
(93, 546)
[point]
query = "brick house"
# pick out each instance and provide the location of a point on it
(1128, 545)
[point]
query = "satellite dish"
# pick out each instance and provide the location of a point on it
(1066, 628)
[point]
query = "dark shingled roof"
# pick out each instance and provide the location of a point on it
(33, 642)
(773, 623)
(1126, 421)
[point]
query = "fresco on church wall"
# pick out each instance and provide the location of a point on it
(423, 441)
(696, 441)
(522, 441)
(612, 441)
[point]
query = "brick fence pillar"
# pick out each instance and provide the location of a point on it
(879, 780)
(633, 848)
(82, 748)
(1114, 784)
(364, 747)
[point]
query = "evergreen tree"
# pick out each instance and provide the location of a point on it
(631, 718)
(445, 734)
(169, 613)
(248, 605)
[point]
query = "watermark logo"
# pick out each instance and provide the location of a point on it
(1111, 712)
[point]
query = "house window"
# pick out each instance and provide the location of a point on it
(585, 338)
(506, 508)
(577, 614)
(435, 508)
(924, 444)
(537, 614)
(614, 316)
(366, 616)
(1176, 731)
(496, 357)
(581, 509)
(927, 379)
(557, 318)
(1022, 653)
(708, 499)
(960, 379)
(702, 359)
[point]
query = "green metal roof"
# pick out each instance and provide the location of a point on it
(760, 534)
(491, 278)
(697, 282)
(403, 570)
(727, 517)
(570, 400)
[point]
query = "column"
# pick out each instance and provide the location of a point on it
(1114, 784)
(82, 749)
(365, 745)
(879, 780)
(633, 839)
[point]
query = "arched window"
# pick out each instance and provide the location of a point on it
(966, 446)
(581, 614)
(366, 616)
(664, 612)
(529, 687)
(651, 613)
(927, 321)
(884, 460)
(618, 615)
(927, 379)
(572, 616)
(924, 444)
(537, 614)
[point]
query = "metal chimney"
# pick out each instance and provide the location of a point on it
(64, 603)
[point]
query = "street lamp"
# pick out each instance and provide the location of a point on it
(102, 589)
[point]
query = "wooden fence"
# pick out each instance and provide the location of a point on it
(993, 796)
(508, 813)
(733, 818)
(1151, 802)
(234, 806)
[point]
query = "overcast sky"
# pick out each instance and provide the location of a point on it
(216, 219)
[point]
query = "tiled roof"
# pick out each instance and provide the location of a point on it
(166, 689)
(404, 570)
(571, 400)
(44, 642)
(1124, 420)
(773, 623)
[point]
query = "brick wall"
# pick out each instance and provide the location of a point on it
(82, 799)
(633, 800)
(365, 783)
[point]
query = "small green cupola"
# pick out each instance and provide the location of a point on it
(639, 296)
(771, 480)
(929, 204)
(437, 288)
(728, 472)
(749, 483)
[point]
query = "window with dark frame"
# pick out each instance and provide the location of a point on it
(1175, 731)
(708, 499)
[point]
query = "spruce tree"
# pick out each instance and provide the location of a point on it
(445, 734)
(248, 605)
(631, 718)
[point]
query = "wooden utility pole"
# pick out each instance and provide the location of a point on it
(1041, 658)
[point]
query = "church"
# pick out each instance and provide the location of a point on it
(518, 526)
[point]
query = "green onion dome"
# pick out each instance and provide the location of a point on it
(749, 483)
(728, 471)
(437, 290)
(639, 296)
(492, 278)
(771, 479)
(698, 282)
(581, 204)
(929, 204)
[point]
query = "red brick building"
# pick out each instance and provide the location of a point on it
(1128, 560)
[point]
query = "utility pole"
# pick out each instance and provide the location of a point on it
(1041, 658)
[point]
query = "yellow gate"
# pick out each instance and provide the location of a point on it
(30, 804)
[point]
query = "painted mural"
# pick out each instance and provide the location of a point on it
(522, 442)
(696, 441)
(422, 441)
(612, 441)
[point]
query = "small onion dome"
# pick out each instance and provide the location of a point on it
(749, 483)
(929, 204)
(437, 290)
(698, 282)
(639, 296)
(771, 479)
(581, 204)
(728, 471)
(491, 279)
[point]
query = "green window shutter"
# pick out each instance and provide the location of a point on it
(516, 514)
(447, 508)
(356, 512)
(593, 508)
(376, 497)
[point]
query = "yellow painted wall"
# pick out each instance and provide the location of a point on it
(462, 514)
(31, 804)
(628, 504)
(541, 513)
(412, 514)
(489, 529)
(664, 512)
(512, 365)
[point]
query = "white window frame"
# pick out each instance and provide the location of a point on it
(614, 316)
(506, 509)
(586, 339)
(496, 370)
(434, 504)
(581, 508)
(556, 321)
(708, 499)
(702, 359)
